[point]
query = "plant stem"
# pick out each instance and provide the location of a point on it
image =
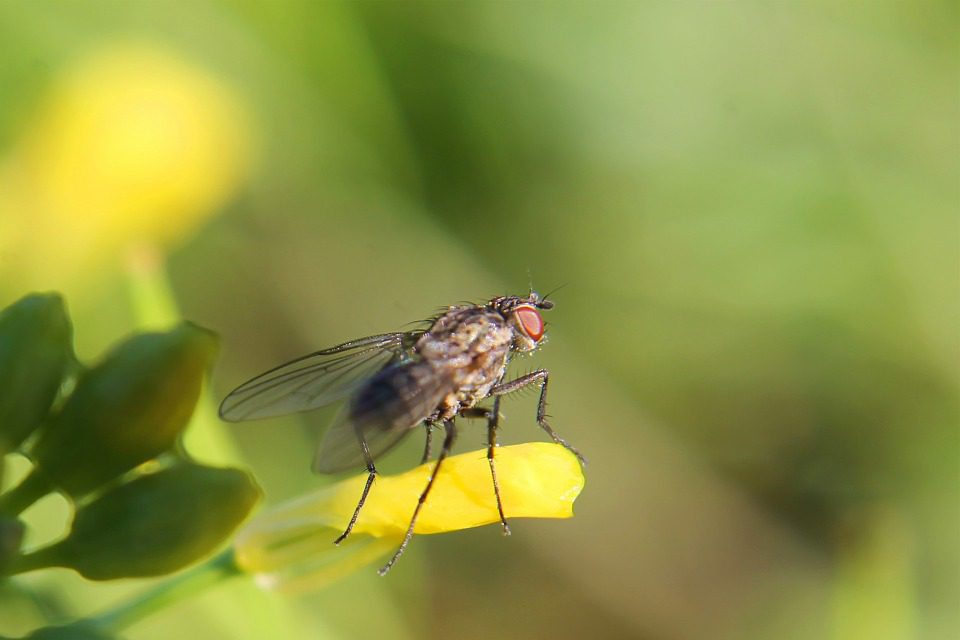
(40, 559)
(173, 590)
(31, 489)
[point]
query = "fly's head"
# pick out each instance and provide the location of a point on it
(523, 316)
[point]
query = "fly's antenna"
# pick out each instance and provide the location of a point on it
(546, 296)
(535, 298)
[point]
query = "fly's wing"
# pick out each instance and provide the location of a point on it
(340, 449)
(314, 380)
(381, 413)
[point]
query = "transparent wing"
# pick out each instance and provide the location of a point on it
(340, 449)
(388, 408)
(316, 379)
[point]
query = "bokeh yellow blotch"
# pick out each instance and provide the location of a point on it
(537, 480)
(132, 144)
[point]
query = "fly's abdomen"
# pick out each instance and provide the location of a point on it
(398, 398)
(380, 413)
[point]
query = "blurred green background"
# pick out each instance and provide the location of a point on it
(753, 209)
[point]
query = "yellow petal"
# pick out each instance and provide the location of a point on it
(294, 540)
(537, 480)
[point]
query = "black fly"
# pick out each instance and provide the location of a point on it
(394, 382)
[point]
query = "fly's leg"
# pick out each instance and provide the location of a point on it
(426, 449)
(540, 376)
(493, 422)
(450, 435)
(372, 474)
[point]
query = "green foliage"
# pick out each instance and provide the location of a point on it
(129, 409)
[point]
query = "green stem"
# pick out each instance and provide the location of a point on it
(40, 559)
(178, 588)
(33, 487)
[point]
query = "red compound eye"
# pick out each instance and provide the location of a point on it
(530, 321)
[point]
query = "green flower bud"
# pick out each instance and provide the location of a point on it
(155, 524)
(35, 350)
(126, 410)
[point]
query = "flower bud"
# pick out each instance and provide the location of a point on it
(155, 524)
(128, 409)
(35, 350)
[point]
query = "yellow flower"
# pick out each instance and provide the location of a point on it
(292, 544)
(131, 144)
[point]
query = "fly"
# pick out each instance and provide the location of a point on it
(394, 382)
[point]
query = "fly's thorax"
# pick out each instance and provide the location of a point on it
(462, 334)
(470, 346)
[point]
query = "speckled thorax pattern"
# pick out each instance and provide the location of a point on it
(471, 345)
